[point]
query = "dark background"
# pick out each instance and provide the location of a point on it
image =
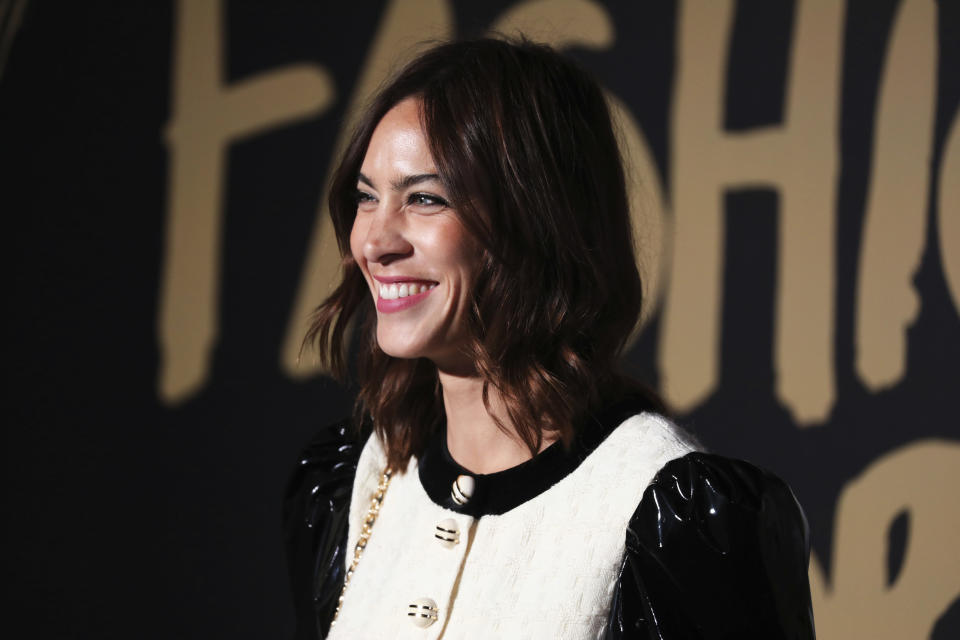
(125, 517)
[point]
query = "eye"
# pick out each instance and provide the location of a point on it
(363, 198)
(427, 200)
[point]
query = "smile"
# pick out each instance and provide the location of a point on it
(397, 296)
(403, 290)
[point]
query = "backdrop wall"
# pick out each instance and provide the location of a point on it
(795, 173)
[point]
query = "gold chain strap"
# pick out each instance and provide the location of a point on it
(365, 532)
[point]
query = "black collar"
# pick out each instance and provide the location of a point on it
(497, 493)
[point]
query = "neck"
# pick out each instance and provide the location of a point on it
(473, 437)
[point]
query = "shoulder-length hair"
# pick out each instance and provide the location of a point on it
(524, 144)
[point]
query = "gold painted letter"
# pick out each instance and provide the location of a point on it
(896, 214)
(920, 480)
(207, 117)
(948, 212)
(800, 159)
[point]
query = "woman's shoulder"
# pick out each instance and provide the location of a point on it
(690, 479)
(655, 434)
(634, 446)
(706, 495)
(699, 477)
(718, 547)
(316, 507)
(327, 461)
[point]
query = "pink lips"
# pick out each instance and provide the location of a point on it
(399, 304)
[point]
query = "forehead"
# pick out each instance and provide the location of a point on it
(398, 143)
(404, 114)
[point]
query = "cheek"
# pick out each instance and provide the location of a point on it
(460, 252)
(467, 256)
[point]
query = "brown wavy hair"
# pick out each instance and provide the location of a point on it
(524, 144)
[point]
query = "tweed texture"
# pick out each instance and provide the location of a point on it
(545, 569)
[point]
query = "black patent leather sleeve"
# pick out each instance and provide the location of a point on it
(717, 549)
(316, 508)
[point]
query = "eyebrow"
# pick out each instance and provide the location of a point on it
(403, 183)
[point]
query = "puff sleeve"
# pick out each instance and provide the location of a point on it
(717, 548)
(316, 509)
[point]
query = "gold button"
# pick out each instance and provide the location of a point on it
(448, 533)
(422, 612)
(462, 489)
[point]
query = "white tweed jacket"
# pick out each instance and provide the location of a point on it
(545, 568)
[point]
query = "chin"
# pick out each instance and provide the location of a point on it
(400, 354)
(400, 348)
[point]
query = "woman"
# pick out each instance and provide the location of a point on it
(515, 484)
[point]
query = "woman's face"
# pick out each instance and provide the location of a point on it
(417, 258)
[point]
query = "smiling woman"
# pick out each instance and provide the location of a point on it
(417, 258)
(501, 477)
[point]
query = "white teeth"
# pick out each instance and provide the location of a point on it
(392, 291)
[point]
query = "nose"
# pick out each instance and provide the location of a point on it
(385, 238)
